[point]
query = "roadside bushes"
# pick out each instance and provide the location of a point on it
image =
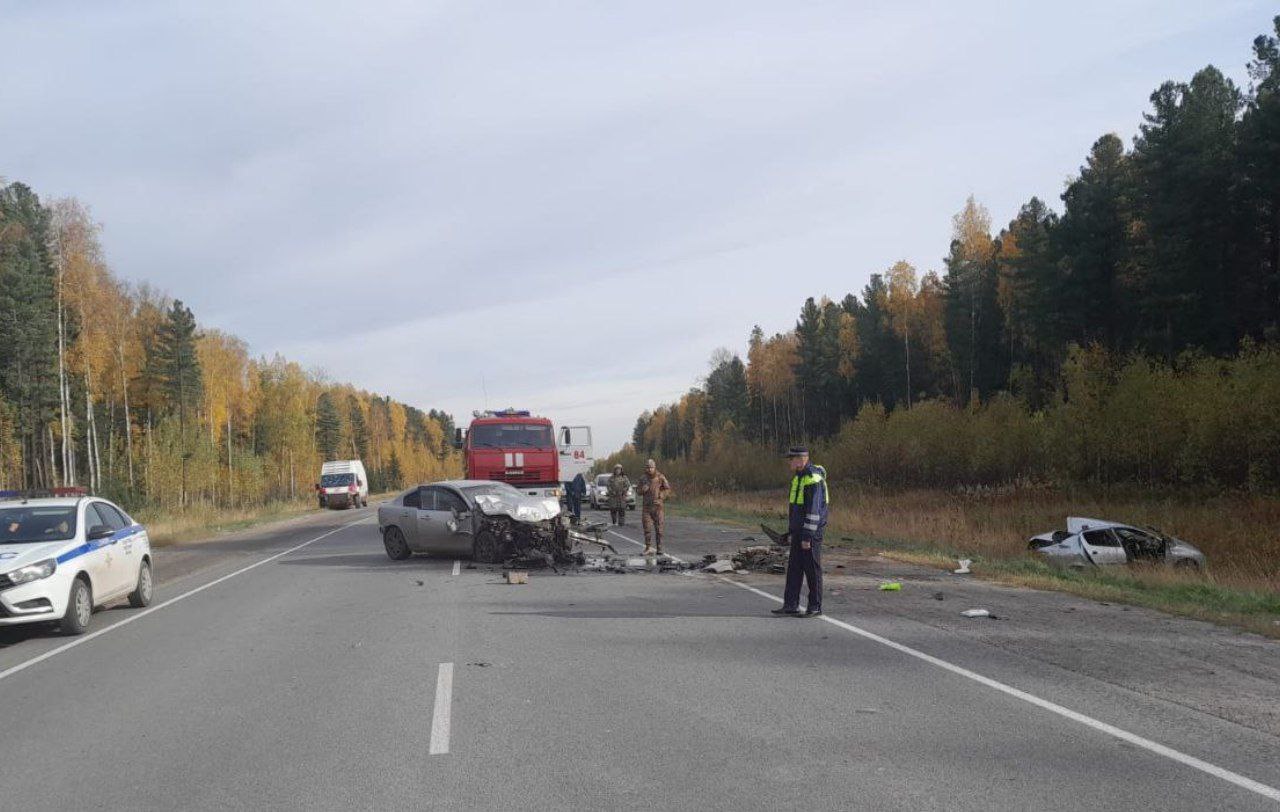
(1202, 422)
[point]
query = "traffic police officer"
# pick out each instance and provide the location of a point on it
(807, 509)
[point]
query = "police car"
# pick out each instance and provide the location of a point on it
(62, 556)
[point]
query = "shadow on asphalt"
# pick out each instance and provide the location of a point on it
(624, 614)
(374, 562)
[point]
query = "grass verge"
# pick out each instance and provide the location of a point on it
(1224, 595)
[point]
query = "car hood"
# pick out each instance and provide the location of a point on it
(518, 506)
(13, 556)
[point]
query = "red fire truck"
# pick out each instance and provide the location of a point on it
(512, 446)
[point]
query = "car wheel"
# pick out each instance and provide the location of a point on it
(79, 608)
(397, 548)
(142, 593)
(484, 548)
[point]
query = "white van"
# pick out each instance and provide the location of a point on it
(343, 483)
(576, 454)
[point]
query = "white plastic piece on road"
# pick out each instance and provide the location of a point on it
(964, 567)
(1242, 781)
(440, 714)
(976, 613)
(719, 566)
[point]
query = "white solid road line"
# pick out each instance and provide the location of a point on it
(457, 567)
(440, 714)
(675, 558)
(1244, 782)
(8, 672)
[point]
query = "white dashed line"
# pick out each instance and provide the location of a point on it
(457, 567)
(440, 715)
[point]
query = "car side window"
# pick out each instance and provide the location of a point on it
(1101, 538)
(411, 499)
(93, 518)
(113, 518)
(448, 500)
(428, 498)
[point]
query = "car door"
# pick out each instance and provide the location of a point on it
(1103, 547)
(102, 560)
(406, 517)
(433, 531)
(130, 546)
(456, 512)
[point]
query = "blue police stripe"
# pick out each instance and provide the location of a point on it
(90, 546)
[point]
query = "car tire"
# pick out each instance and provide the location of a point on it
(484, 548)
(397, 547)
(79, 608)
(144, 591)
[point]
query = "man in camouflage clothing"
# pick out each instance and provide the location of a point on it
(654, 489)
(618, 488)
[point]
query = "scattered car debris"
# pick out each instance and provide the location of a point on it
(480, 664)
(420, 583)
(891, 586)
(938, 596)
(979, 613)
(762, 558)
(516, 577)
(719, 567)
(964, 567)
(1094, 542)
(775, 536)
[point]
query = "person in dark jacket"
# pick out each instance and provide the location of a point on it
(807, 520)
(577, 490)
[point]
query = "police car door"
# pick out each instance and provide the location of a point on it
(102, 560)
(130, 544)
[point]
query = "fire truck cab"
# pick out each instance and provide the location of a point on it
(512, 446)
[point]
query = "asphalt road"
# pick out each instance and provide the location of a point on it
(299, 668)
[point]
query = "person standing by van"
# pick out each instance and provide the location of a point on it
(618, 488)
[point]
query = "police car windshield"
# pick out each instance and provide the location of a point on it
(30, 524)
(337, 480)
(511, 435)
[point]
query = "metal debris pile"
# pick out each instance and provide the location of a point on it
(757, 558)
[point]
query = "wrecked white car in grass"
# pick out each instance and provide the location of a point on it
(1090, 542)
(491, 522)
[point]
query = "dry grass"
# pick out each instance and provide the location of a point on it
(1239, 534)
(200, 520)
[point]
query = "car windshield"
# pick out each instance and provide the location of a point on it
(511, 435)
(336, 480)
(29, 524)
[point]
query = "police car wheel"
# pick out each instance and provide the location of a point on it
(397, 549)
(141, 595)
(79, 609)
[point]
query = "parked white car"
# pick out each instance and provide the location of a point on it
(1097, 542)
(63, 557)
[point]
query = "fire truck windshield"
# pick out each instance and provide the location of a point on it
(511, 435)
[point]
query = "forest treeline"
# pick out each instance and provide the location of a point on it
(1132, 336)
(116, 388)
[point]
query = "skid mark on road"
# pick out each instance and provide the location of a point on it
(440, 715)
(1241, 781)
(79, 641)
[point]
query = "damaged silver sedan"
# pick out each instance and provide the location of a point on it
(1093, 542)
(491, 522)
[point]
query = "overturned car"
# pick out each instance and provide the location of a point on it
(1088, 542)
(491, 522)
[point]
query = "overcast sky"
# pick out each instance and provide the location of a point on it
(567, 205)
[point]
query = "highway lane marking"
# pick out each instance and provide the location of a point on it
(51, 653)
(1239, 780)
(675, 558)
(440, 714)
(457, 567)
